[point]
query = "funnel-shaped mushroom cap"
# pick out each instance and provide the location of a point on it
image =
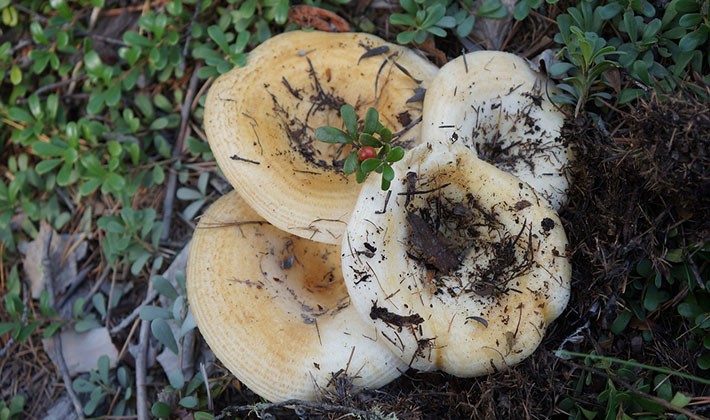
(462, 269)
(274, 309)
(260, 121)
(495, 104)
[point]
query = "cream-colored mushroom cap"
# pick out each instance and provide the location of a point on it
(495, 104)
(274, 309)
(260, 121)
(462, 269)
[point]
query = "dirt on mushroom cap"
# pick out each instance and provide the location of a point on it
(260, 121)
(274, 309)
(495, 104)
(510, 277)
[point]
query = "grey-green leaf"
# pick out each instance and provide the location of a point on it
(161, 331)
(332, 135)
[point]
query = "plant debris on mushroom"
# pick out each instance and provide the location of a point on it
(260, 121)
(274, 309)
(495, 104)
(461, 268)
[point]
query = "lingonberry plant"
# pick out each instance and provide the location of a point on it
(371, 143)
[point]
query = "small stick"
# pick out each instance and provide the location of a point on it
(66, 378)
(177, 151)
(130, 318)
(141, 390)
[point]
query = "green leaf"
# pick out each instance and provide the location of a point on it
(369, 140)
(387, 173)
(133, 38)
(464, 28)
(104, 366)
(162, 332)
(160, 410)
(47, 165)
(19, 115)
(150, 313)
(332, 135)
(113, 95)
(51, 329)
(15, 75)
(89, 186)
(694, 39)
(410, 6)
(86, 325)
(82, 386)
(159, 123)
(629, 94)
(27, 330)
(92, 61)
(704, 361)
(6, 327)
(402, 19)
(189, 402)
(164, 287)
(675, 255)
(115, 181)
(371, 121)
(680, 400)
(620, 323)
(99, 302)
(218, 36)
(96, 103)
(369, 165)
(188, 194)
(188, 324)
(347, 113)
(176, 378)
(350, 164)
(406, 37)
(395, 155)
(43, 149)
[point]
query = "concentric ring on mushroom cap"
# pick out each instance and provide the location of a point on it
(494, 103)
(462, 269)
(260, 121)
(274, 309)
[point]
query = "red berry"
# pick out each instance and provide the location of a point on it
(366, 152)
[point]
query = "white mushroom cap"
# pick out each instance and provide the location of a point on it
(274, 309)
(260, 121)
(495, 104)
(462, 269)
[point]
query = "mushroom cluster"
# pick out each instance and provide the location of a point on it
(300, 278)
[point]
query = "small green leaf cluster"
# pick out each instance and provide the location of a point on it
(189, 398)
(241, 24)
(619, 402)
(587, 59)
(657, 48)
(230, 46)
(104, 388)
(162, 323)
(197, 196)
(372, 134)
(24, 322)
(84, 316)
(14, 410)
(131, 237)
(425, 18)
(179, 313)
(652, 287)
(9, 13)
